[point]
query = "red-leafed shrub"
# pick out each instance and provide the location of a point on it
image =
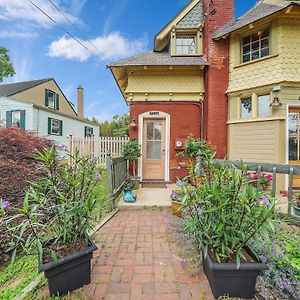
(18, 167)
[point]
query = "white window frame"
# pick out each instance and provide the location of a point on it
(260, 48)
(54, 99)
(189, 45)
(58, 121)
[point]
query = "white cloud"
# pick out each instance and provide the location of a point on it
(11, 10)
(107, 47)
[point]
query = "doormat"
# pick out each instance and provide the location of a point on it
(154, 185)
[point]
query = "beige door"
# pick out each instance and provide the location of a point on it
(294, 141)
(154, 139)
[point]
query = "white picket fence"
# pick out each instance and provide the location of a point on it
(98, 147)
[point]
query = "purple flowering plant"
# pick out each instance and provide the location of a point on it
(227, 211)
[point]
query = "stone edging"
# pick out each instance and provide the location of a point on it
(32, 285)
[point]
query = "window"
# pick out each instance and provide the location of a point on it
(246, 108)
(88, 131)
(263, 106)
(51, 100)
(16, 118)
(55, 127)
(255, 46)
(186, 45)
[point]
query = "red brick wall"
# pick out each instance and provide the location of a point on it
(184, 119)
(217, 74)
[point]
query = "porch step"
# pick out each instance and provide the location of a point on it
(155, 184)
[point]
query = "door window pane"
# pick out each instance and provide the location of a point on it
(264, 106)
(149, 150)
(293, 148)
(246, 108)
(157, 150)
(157, 131)
(150, 126)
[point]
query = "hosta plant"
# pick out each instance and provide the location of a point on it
(227, 212)
(56, 214)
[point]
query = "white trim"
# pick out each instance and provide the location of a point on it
(288, 106)
(166, 117)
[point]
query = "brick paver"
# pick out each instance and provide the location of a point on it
(136, 260)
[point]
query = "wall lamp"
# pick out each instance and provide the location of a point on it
(276, 102)
(133, 124)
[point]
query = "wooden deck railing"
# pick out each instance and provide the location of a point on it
(116, 172)
(289, 170)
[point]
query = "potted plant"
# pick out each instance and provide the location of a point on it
(56, 216)
(131, 151)
(129, 196)
(296, 205)
(176, 200)
(223, 216)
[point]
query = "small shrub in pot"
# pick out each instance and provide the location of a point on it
(223, 216)
(56, 217)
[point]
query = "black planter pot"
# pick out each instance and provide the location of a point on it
(69, 273)
(226, 279)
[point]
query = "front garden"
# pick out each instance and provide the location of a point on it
(228, 215)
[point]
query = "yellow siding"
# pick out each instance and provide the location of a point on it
(282, 65)
(36, 95)
(256, 142)
(165, 85)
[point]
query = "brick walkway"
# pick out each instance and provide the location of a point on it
(136, 260)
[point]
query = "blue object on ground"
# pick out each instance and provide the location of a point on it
(129, 196)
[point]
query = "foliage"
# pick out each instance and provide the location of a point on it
(297, 200)
(177, 196)
(131, 151)
(18, 167)
(193, 149)
(265, 179)
(15, 277)
(226, 212)
(57, 210)
(281, 252)
(119, 126)
(6, 67)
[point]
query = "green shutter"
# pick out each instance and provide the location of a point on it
(46, 98)
(57, 102)
(8, 119)
(60, 128)
(85, 131)
(22, 120)
(49, 125)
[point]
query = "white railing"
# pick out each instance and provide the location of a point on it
(98, 147)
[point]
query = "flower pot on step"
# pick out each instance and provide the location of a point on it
(69, 273)
(226, 279)
(176, 209)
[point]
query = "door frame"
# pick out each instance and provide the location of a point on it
(288, 106)
(155, 115)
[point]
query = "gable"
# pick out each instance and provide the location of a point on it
(193, 19)
(36, 95)
(186, 17)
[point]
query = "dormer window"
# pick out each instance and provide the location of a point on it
(185, 45)
(255, 46)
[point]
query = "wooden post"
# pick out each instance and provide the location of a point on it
(70, 149)
(274, 182)
(110, 180)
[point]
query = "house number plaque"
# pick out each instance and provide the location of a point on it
(154, 113)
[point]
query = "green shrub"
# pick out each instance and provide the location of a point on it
(132, 151)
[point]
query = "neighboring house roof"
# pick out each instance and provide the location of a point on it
(259, 11)
(193, 19)
(10, 89)
(160, 59)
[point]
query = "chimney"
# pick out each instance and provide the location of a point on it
(80, 102)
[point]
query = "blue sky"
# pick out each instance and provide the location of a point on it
(111, 29)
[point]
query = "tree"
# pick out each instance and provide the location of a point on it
(6, 67)
(119, 126)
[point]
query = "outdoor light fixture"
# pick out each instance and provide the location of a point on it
(276, 102)
(133, 124)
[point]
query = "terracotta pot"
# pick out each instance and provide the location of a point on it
(176, 208)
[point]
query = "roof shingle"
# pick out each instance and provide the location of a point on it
(7, 90)
(259, 11)
(193, 19)
(160, 59)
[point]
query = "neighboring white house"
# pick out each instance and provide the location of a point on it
(41, 107)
